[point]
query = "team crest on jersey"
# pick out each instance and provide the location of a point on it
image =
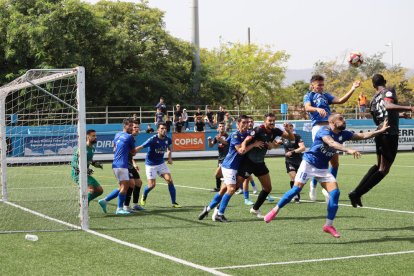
(388, 94)
(166, 142)
(252, 133)
(235, 136)
(340, 138)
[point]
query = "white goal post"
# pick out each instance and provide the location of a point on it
(42, 116)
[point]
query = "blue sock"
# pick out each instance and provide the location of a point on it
(246, 194)
(333, 203)
(112, 195)
(121, 200)
(314, 183)
(333, 171)
(146, 191)
(287, 197)
(252, 182)
(171, 188)
(224, 202)
(216, 200)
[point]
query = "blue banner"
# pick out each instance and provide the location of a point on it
(49, 145)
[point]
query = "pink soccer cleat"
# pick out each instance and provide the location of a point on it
(271, 215)
(331, 230)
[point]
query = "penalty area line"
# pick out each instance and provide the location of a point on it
(317, 260)
(121, 242)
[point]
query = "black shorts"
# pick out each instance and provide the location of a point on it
(247, 167)
(387, 146)
(133, 174)
(291, 167)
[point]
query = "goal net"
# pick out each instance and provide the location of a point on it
(42, 122)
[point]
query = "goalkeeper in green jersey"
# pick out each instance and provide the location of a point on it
(94, 188)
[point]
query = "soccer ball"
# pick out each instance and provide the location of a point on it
(355, 59)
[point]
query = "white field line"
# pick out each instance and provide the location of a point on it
(317, 260)
(346, 205)
(118, 241)
(206, 189)
(370, 165)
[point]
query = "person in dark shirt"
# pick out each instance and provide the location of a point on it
(210, 118)
(293, 156)
(223, 148)
(220, 114)
(168, 123)
(199, 125)
(383, 107)
(162, 106)
(179, 125)
(253, 162)
(177, 113)
(198, 114)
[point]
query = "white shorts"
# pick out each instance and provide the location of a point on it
(152, 171)
(121, 174)
(307, 171)
(229, 176)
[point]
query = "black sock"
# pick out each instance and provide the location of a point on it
(361, 184)
(260, 199)
(136, 194)
(128, 197)
(371, 182)
(218, 182)
(291, 184)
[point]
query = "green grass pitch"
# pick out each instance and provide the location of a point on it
(295, 235)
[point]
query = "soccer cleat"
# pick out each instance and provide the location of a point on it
(213, 216)
(326, 195)
(270, 198)
(257, 213)
(142, 201)
(355, 199)
(203, 213)
(120, 211)
(138, 208)
(102, 203)
(127, 208)
(270, 216)
(296, 199)
(248, 202)
(176, 205)
(239, 191)
(331, 230)
(312, 193)
(220, 218)
(215, 190)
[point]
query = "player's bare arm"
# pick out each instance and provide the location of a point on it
(346, 97)
(310, 108)
(367, 135)
(335, 145)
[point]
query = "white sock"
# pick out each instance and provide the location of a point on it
(329, 222)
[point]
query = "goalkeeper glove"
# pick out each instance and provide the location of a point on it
(98, 165)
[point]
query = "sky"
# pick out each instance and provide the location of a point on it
(309, 31)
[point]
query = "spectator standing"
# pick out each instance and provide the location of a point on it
(162, 106)
(228, 122)
(220, 114)
(210, 118)
(184, 117)
(179, 125)
(177, 113)
(362, 104)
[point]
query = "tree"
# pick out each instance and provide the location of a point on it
(252, 74)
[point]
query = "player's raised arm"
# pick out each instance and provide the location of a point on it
(367, 135)
(346, 97)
